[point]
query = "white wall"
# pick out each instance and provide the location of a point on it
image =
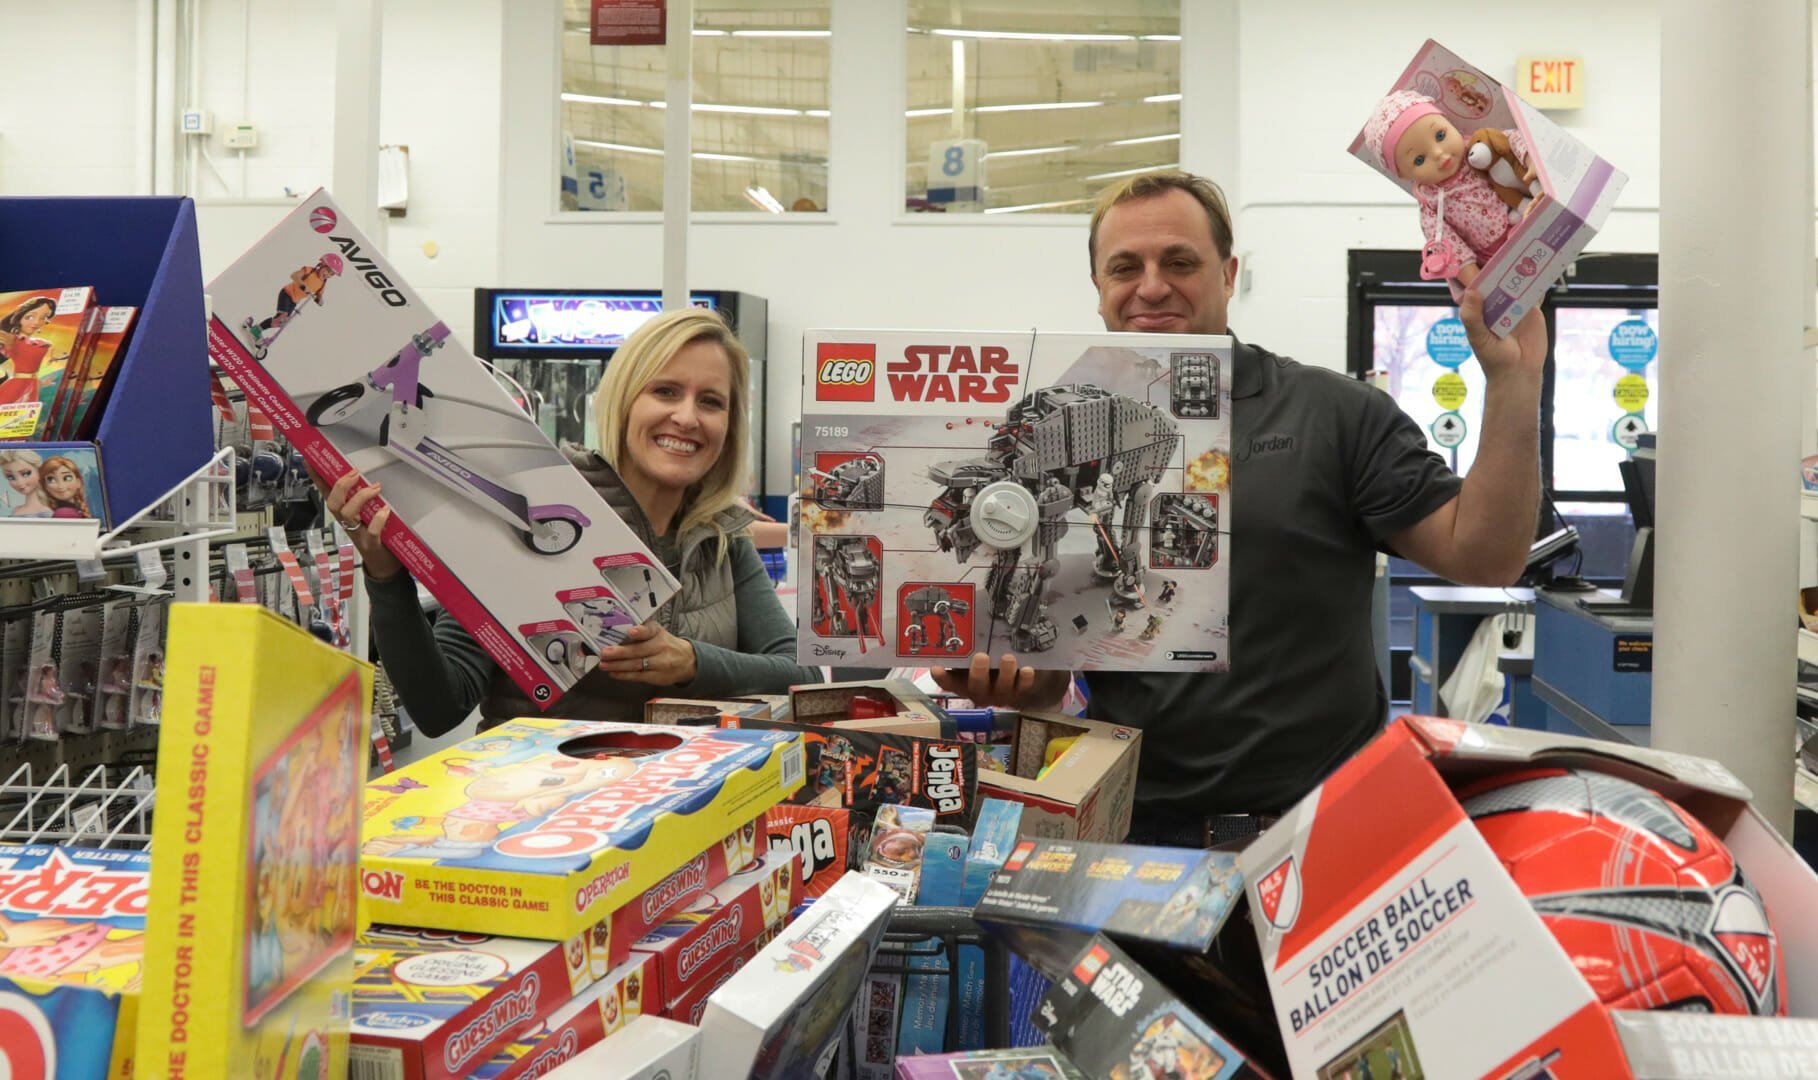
(64, 132)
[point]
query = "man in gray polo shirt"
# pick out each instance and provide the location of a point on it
(1326, 470)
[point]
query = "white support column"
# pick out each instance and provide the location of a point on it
(1209, 96)
(1736, 244)
(678, 152)
(358, 28)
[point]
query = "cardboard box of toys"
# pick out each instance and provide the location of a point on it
(1062, 497)
(1448, 864)
(353, 369)
(1113, 1018)
(866, 705)
(782, 1014)
(726, 919)
(668, 710)
(1526, 196)
(556, 824)
(249, 936)
(72, 948)
(1076, 778)
(862, 770)
(600, 1011)
(646, 1048)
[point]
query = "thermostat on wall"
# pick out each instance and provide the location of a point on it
(242, 137)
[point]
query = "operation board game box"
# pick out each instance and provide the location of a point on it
(782, 1014)
(1062, 497)
(862, 770)
(357, 373)
(435, 1004)
(1112, 1018)
(556, 824)
(604, 1008)
(249, 937)
(72, 950)
(731, 916)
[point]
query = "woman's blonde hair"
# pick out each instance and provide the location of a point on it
(644, 354)
(20, 457)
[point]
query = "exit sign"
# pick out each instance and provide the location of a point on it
(1551, 82)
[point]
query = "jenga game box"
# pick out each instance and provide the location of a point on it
(685, 888)
(556, 824)
(1076, 778)
(1113, 1018)
(603, 1009)
(725, 920)
(1062, 497)
(249, 937)
(782, 1013)
(862, 770)
(72, 944)
(434, 1005)
(823, 839)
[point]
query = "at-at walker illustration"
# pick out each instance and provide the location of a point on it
(1059, 449)
(846, 576)
(934, 602)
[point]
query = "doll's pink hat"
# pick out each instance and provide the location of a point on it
(1393, 116)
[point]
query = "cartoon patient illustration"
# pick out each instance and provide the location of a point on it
(498, 800)
(53, 948)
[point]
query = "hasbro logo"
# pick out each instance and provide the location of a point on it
(395, 1021)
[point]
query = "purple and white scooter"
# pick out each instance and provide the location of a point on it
(404, 430)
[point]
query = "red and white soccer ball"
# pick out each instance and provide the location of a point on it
(1651, 907)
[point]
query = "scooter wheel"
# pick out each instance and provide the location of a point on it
(336, 405)
(553, 535)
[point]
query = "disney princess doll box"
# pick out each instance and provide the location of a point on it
(249, 944)
(553, 825)
(41, 331)
(72, 938)
(1508, 198)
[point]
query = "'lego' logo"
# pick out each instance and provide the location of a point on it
(382, 884)
(845, 372)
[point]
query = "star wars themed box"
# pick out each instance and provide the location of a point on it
(862, 770)
(1112, 1018)
(72, 949)
(1031, 1063)
(668, 710)
(720, 923)
(249, 936)
(556, 824)
(597, 1013)
(1076, 778)
(1551, 218)
(782, 1014)
(434, 1004)
(687, 887)
(857, 704)
(823, 838)
(1062, 497)
(1565, 879)
(357, 373)
(646, 1048)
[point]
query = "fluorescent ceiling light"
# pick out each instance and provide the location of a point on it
(722, 157)
(1030, 150)
(711, 33)
(930, 112)
(1036, 106)
(1152, 98)
(816, 112)
(783, 33)
(595, 99)
(1012, 35)
(750, 110)
(760, 197)
(1150, 37)
(1145, 139)
(1035, 206)
(618, 146)
(1132, 172)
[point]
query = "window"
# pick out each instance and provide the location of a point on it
(760, 111)
(1016, 111)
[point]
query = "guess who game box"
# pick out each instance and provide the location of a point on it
(1062, 497)
(72, 944)
(687, 888)
(354, 370)
(603, 1010)
(692, 944)
(249, 937)
(557, 824)
(434, 1005)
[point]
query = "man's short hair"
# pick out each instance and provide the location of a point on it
(1149, 185)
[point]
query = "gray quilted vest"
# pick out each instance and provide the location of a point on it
(705, 609)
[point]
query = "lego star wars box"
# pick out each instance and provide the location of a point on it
(434, 1005)
(1389, 908)
(781, 1016)
(1551, 217)
(556, 824)
(72, 949)
(357, 373)
(862, 770)
(593, 1016)
(720, 923)
(1114, 1019)
(249, 936)
(1062, 497)
(1076, 778)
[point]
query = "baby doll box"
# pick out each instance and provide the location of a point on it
(543, 827)
(1578, 187)
(155, 430)
(1089, 788)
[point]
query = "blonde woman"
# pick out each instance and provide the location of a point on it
(672, 410)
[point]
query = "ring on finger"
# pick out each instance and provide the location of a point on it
(351, 526)
(645, 665)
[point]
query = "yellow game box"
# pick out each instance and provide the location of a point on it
(543, 827)
(249, 937)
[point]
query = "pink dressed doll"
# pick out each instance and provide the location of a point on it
(1464, 219)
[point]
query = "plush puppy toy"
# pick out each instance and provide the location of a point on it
(1514, 182)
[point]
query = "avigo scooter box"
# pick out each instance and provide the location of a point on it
(1063, 497)
(358, 373)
